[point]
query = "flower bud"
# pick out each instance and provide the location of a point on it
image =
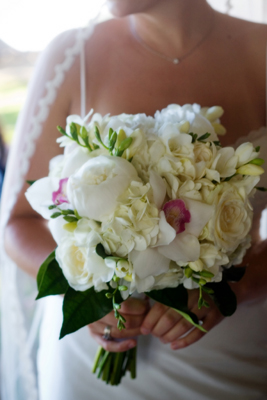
(250, 169)
(219, 128)
(214, 112)
(196, 265)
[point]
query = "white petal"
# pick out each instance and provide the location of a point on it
(183, 248)
(200, 215)
(39, 195)
(144, 285)
(56, 228)
(166, 231)
(158, 187)
(74, 161)
(148, 262)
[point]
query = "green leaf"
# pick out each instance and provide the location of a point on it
(261, 188)
(234, 274)
(257, 149)
(83, 308)
(31, 182)
(50, 278)
(176, 298)
(223, 297)
(217, 143)
(204, 137)
(100, 250)
(194, 136)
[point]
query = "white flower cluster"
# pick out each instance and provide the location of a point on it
(160, 195)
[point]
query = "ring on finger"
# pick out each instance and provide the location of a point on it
(106, 334)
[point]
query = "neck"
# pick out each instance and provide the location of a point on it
(174, 28)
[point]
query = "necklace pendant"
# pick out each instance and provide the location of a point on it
(175, 61)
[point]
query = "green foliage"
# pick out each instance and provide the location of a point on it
(50, 279)
(83, 308)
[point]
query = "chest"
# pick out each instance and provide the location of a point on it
(132, 82)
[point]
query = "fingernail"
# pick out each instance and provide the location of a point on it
(145, 331)
(131, 345)
(176, 346)
(163, 341)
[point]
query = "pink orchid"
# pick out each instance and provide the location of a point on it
(60, 196)
(177, 214)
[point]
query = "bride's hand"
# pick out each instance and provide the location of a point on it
(168, 325)
(134, 311)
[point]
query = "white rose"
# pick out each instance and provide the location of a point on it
(81, 267)
(232, 219)
(96, 186)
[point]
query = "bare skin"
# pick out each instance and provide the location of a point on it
(227, 69)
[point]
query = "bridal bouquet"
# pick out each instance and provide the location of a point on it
(144, 204)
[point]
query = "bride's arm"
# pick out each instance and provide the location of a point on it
(27, 239)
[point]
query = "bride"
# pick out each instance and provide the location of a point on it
(156, 52)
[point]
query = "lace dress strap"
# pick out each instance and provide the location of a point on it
(83, 79)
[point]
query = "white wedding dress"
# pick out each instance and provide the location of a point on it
(230, 362)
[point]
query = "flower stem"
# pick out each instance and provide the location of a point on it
(98, 356)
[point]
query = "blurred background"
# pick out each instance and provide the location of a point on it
(24, 33)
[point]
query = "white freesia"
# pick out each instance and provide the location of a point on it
(96, 186)
(245, 153)
(225, 162)
(210, 259)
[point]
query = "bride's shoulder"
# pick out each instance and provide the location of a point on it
(242, 31)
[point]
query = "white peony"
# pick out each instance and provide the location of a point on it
(94, 189)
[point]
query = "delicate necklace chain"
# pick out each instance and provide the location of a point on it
(163, 56)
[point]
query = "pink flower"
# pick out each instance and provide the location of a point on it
(60, 196)
(176, 214)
